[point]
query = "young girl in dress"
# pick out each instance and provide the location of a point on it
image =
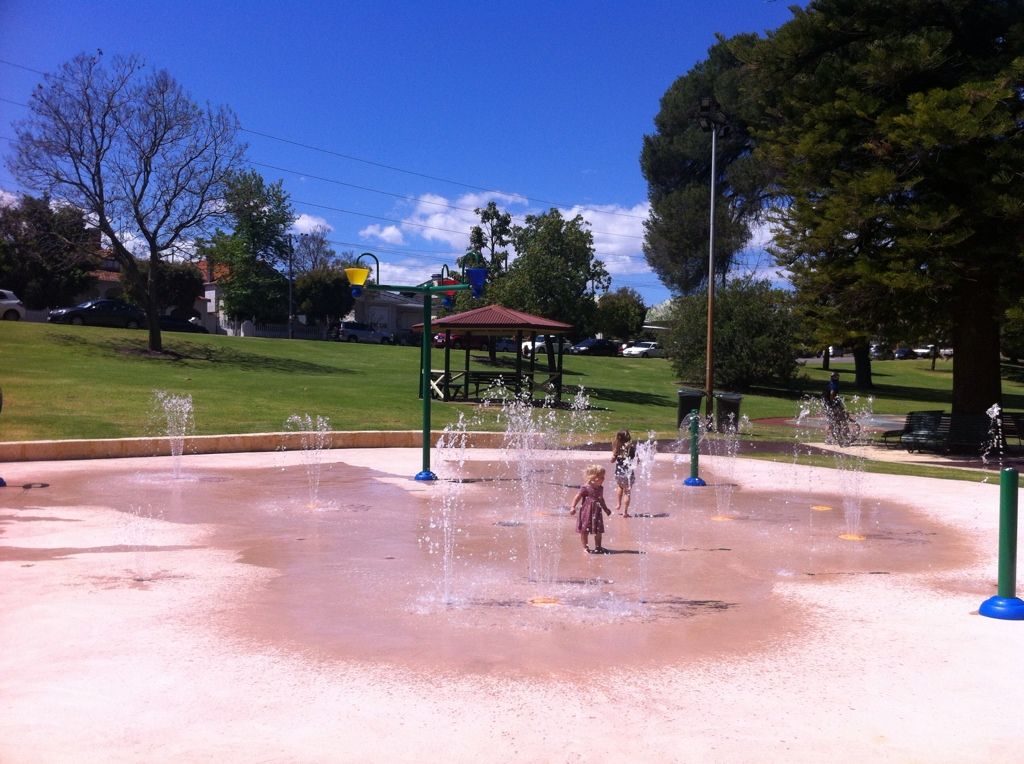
(624, 458)
(591, 500)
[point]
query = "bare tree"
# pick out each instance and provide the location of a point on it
(313, 251)
(128, 146)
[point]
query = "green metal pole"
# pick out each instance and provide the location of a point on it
(426, 474)
(1008, 533)
(694, 478)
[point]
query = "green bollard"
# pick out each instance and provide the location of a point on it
(1006, 605)
(694, 450)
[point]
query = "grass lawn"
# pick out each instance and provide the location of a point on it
(63, 382)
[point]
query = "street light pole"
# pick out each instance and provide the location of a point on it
(711, 119)
(291, 278)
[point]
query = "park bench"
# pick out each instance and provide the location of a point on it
(941, 432)
(1013, 428)
(921, 429)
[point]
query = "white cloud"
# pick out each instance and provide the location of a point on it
(389, 234)
(305, 223)
(7, 199)
(618, 235)
(436, 218)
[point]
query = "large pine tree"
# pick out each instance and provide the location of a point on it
(896, 131)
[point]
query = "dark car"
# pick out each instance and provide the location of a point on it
(595, 346)
(903, 354)
(174, 324)
(100, 313)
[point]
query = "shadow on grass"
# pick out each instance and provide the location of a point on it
(188, 352)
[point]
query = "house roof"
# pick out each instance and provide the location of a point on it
(497, 319)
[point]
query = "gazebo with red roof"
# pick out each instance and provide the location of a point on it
(497, 321)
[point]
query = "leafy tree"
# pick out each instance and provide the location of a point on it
(260, 215)
(179, 285)
(256, 251)
(46, 253)
(621, 313)
(492, 238)
(676, 161)
(893, 128)
(252, 288)
(323, 294)
(755, 331)
(1013, 333)
(130, 148)
(555, 273)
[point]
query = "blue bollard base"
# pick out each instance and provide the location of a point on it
(1006, 608)
(3, 483)
(425, 475)
(694, 481)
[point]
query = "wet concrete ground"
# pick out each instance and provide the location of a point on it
(231, 606)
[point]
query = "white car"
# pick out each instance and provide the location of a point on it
(538, 344)
(11, 308)
(644, 350)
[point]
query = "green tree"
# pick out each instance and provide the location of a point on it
(179, 285)
(46, 253)
(252, 288)
(130, 148)
(555, 273)
(323, 295)
(893, 129)
(755, 333)
(258, 249)
(621, 313)
(676, 162)
(492, 238)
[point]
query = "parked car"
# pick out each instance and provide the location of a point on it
(174, 324)
(881, 353)
(626, 344)
(595, 346)
(903, 354)
(539, 345)
(11, 308)
(107, 312)
(644, 350)
(356, 331)
(505, 345)
(461, 342)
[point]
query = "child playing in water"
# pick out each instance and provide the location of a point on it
(591, 494)
(624, 457)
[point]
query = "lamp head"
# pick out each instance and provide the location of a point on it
(357, 279)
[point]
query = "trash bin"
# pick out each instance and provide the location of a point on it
(727, 411)
(689, 400)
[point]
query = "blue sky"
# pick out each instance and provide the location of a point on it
(390, 121)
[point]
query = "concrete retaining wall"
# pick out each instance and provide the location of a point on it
(46, 450)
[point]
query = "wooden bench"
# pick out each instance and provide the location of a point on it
(447, 387)
(489, 379)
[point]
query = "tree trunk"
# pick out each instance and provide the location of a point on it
(977, 380)
(156, 344)
(825, 355)
(862, 366)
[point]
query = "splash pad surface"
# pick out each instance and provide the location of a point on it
(274, 624)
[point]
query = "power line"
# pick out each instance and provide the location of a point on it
(405, 197)
(351, 158)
